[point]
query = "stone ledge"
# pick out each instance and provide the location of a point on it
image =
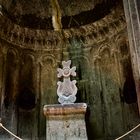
(67, 109)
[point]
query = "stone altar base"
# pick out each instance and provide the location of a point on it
(65, 122)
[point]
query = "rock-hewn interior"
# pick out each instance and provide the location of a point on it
(94, 36)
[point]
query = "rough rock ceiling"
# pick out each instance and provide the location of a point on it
(42, 8)
(37, 13)
(41, 39)
(33, 32)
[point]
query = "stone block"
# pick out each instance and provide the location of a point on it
(65, 122)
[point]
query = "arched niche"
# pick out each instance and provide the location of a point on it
(128, 94)
(27, 93)
(12, 75)
(48, 79)
(105, 95)
(47, 86)
(27, 104)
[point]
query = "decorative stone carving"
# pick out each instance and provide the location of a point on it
(48, 39)
(66, 89)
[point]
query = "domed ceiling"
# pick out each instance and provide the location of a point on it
(38, 13)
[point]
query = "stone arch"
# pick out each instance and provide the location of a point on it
(100, 51)
(49, 59)
(122, 44)
(104, 49)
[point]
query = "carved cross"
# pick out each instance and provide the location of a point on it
(66, 89)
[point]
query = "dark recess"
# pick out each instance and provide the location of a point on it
(129, 90)
(26, 99)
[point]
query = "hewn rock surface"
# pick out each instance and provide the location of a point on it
(31, 51)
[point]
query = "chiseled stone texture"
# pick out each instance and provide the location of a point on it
(65, 122)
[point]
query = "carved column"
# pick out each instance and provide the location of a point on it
(133, 27)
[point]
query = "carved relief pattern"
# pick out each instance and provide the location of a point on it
(67, 89)
(42, 39)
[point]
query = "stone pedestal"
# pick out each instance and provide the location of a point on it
(65, 122)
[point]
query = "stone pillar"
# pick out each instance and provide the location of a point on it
(65, 122)
(132, 14)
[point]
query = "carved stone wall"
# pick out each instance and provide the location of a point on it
(28, 81)
(100, 51)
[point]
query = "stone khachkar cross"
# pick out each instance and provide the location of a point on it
(66, 121)
(66, 89)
